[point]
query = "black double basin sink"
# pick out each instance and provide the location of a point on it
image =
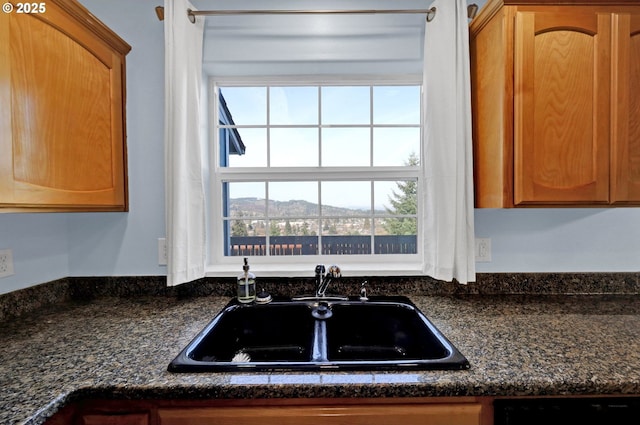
(381, 333)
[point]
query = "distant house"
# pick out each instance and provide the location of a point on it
(230, 140)
(230, 144)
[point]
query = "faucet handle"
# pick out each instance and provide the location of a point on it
(320, 269)
(334, 271)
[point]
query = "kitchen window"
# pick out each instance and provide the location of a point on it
(307, 171)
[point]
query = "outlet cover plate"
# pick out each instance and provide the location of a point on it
(6, 262)
(162, 252)
(483, 250)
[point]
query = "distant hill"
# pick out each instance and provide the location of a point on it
(254, 207)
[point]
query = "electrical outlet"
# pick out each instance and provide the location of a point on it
(6, 262)
(162, 252)
(483, 250)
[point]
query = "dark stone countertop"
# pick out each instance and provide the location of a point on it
(120, 348)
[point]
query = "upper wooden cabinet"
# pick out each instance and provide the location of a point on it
(556, 121)
(62, 114)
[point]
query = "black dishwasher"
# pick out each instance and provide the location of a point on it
(564, 411)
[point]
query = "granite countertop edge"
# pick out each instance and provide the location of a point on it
(334, 390)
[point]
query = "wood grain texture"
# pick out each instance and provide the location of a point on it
(120, 419)
(571, 135)
(625, 159)
(562, 75)
(492, 106)
(60, 92)
(62, 114)
(441, 414)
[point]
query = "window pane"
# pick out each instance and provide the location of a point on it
(246, 237)
(247, 105)
(293, 244)
(246, 199)
(394, 146)
(395, 236)
(396, 105)
(356, 226)
(249, 228)
(343, 237)
(399, 198)
(255, 148)
(346, 245)
(345, 198)
(288, 199)
(346, 105)
(293, 227)
(382, 192)
(294, 147)
(346, 147)
(293, 105)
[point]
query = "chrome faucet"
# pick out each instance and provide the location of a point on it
(323, 280)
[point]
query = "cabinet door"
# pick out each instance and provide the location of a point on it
(562, 106)
(61, 114)
(625, 156)
(437, 414)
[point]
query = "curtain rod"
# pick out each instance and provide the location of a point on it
(472, 9)
(193, 13)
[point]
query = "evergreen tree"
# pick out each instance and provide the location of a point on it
(274, 230)
(239, 228)
(403, 202)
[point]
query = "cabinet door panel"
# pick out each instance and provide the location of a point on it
(440, 414)
(60, 91)
(561, 76)
(626, 110)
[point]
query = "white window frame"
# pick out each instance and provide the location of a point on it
(303, 265)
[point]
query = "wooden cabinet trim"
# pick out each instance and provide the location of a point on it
(88, 20)
(625, 114)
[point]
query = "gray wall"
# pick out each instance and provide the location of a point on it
(51, 246)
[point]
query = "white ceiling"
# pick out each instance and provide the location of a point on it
(263, 45)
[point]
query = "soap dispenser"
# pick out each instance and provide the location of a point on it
(246, 284)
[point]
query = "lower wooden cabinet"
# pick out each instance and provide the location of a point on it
(365, 411)
(393, 414)
(603, 409)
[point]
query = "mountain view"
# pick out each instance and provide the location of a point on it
(299, 218)
(255, 207)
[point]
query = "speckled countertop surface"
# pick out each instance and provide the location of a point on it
(120, 348)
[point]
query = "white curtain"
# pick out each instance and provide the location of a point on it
(184, 190)
(447, 204)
